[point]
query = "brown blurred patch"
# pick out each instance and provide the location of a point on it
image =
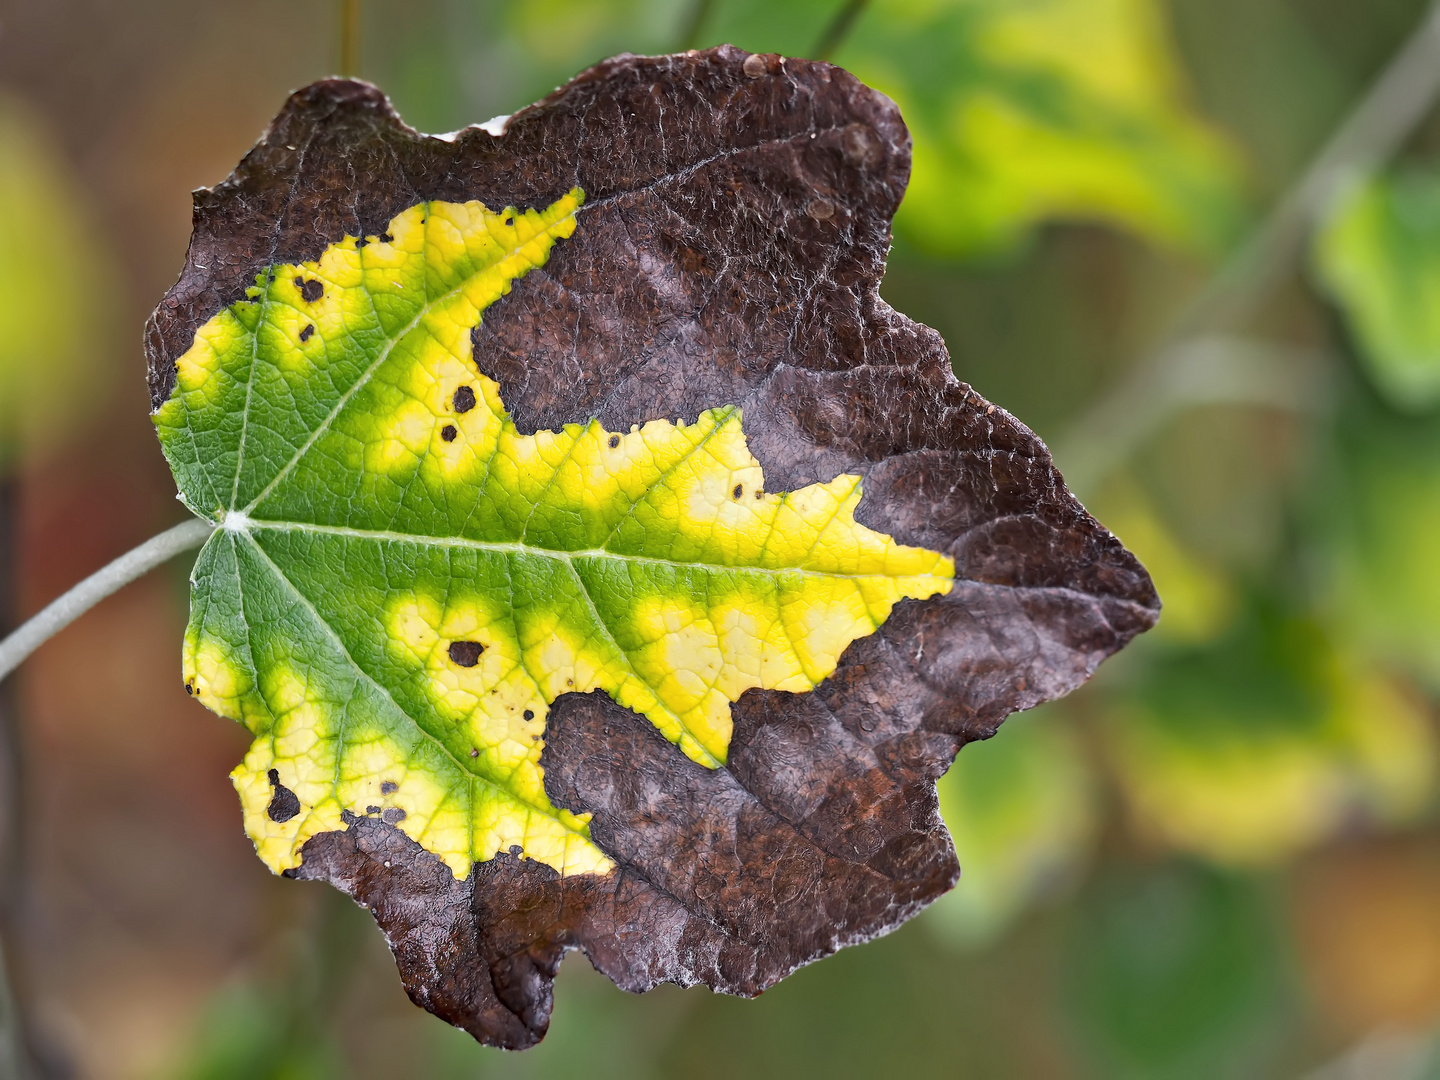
(1367, 920)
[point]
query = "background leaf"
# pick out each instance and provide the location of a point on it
(50, 378)
(1378, 255)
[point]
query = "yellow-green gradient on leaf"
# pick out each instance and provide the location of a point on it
(404, 583)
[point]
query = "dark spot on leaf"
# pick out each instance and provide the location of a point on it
(448, 433)
(474, 752)
(284, 804)
(389, 787)
(739, 490)
(529, 714)
(305, 334)
(190, 688)
(360, 242)
(466, 653)
(393, 815)
(310, 289)
(387, 238)
(759, 494)
(372, 809)
(463, 399)
(614, 441)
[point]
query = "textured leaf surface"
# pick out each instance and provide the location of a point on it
(1378, 255)
(699, 463)
(1024, 111)
(404, 582)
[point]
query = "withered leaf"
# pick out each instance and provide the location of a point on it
(719, 256)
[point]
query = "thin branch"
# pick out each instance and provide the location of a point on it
(700, 11)
(1196, 371)
(1397, 101)
(834, 35)
(133, 564)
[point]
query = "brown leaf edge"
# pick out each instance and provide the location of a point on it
(730, 250)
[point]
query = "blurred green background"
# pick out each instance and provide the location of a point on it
(1219, 859)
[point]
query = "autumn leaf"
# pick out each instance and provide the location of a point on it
(601, 563)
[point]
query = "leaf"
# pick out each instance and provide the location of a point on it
(405, 583)
(674, 350)
(1177, 972)
(1378, 256)
(1381, 513)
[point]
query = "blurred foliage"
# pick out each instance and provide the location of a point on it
(1267, 742)
(1175, 973)
(1378, 255)
(50, 255)
(1023, 816)
(1384, 515)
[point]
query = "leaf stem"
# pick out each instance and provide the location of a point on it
(695, 22)
(834, 35)
(1374, 129)
(62, 612)
(14, 1061)
(350, 38)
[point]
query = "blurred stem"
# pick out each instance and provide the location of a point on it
(14, 1054)
(13, 1058)
(834, 35)
(133, 564)
(1396, 102)
(350, 38)
(700, 11)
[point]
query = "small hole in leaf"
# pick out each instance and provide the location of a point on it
(387, 238)
(739, 490)
(464, 399)
(448, 433)
(614, 441)
(529, 714)
(305, 334)
(466, 653)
